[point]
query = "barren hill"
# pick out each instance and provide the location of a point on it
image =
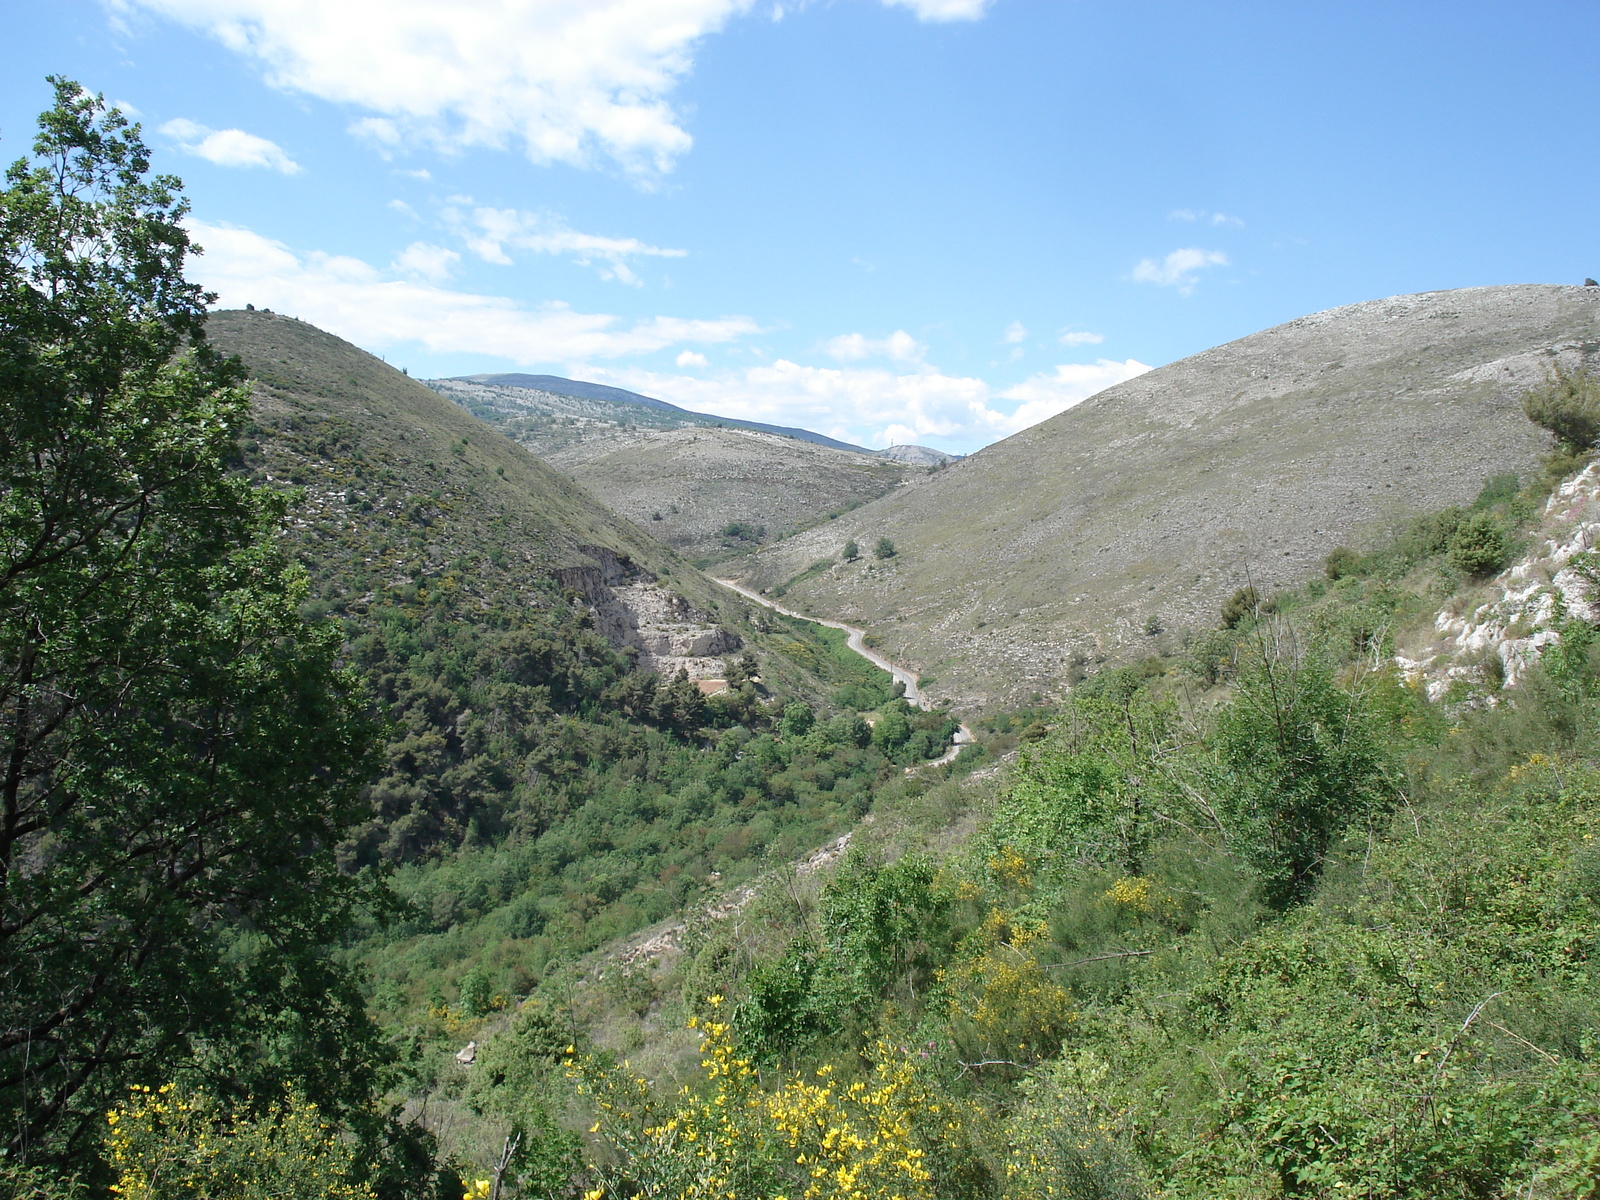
(715, 492)
(1159, 497)
(706, 489)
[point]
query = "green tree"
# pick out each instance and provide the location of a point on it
(893, 730)
(797, 719)
(1298, 759)
(181, 748)
(1480, 545)
(851, 551)
(884, 549)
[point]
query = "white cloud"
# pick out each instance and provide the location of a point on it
(1179, 269)
(418, 173)
(488, 231)
(126, 109)
(355, 300)
(1077, 337)
(1015, 333)
(428, 261)
(943, 10)
(874, 407)
(899, 346)
(690, 358)
(1200, 214)
(1043, 396)
(573, 81)
(228, 147)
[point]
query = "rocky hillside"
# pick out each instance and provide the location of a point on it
(543, 409)
(1487, 638)
(1129, 518)
(709, 491)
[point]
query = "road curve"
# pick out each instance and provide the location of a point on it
(856, 640)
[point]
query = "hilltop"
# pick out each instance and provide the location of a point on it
(1112, 528)
(708, 488)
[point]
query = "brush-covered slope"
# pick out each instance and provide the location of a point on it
(705, 488)
(1150, 503)
(409, 500)
(546, 781)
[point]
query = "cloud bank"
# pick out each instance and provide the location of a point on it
(571, 81)
(407, 305)
(582, 82)
(357, 301)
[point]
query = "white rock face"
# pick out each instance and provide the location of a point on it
(1526, 600)
(669, 634)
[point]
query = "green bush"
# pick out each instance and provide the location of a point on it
(884, 549)
(1246, 602)
(1341, 561)
(1297, 759)
(1480, 545)
(1568, 405)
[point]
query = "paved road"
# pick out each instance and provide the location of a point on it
(856, 640)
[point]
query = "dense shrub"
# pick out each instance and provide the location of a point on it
(1245, 602)
(1341, 561)
(1480, 545)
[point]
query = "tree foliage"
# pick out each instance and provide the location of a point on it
(181, 748)
(1297, 760)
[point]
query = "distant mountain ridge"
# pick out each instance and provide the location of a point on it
(555, 385)
(707, 488)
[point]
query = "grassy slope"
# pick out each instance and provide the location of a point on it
(1158, 496)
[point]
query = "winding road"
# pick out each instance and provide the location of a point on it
(856, 640)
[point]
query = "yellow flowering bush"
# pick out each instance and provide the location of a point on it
(804, 1139)
(1002, 1005)
(165, 1144)
(1140, 895)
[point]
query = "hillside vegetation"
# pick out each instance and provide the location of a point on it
(706, 488)
(1132, 516)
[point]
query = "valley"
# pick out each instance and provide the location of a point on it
(1040, 814)
(511, 786)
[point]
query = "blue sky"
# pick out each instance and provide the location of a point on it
(927, 220)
